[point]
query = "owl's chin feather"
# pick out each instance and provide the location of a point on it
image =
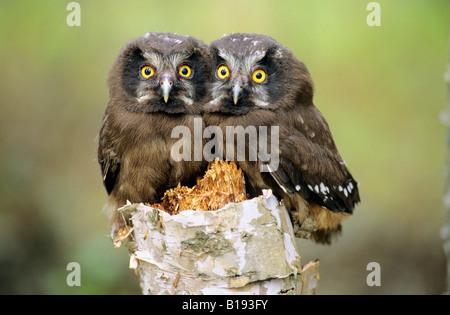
(226, 105)
(150, 103)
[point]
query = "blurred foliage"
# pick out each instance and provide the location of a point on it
(381, 89)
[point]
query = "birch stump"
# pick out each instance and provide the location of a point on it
(245, 247)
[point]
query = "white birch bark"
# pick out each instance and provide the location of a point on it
(244, 248)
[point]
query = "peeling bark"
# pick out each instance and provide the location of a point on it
(243, 248)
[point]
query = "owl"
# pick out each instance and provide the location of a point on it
(257, 82)
(157, 83)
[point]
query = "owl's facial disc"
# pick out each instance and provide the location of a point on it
(168, 90)
(159, 82)
(164, 86)
(241, 82)
(247, 88)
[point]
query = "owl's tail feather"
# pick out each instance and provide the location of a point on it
(119, 222)
(313, 221)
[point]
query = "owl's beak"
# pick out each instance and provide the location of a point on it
(237, 91)
(166, 86)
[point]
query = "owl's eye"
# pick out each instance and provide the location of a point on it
(259, 76)
(223, 72)
(185, 71)
(147, 72)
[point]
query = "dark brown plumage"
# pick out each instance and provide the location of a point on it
(157, 82)
(258, 82)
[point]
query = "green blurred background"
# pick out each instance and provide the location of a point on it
(381, 89)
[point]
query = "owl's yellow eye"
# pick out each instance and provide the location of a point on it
(185, 71)
(223, 72)
(147, 72)
(259, 76)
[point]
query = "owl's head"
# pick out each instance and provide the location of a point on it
(255, 71)
(161, 72)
